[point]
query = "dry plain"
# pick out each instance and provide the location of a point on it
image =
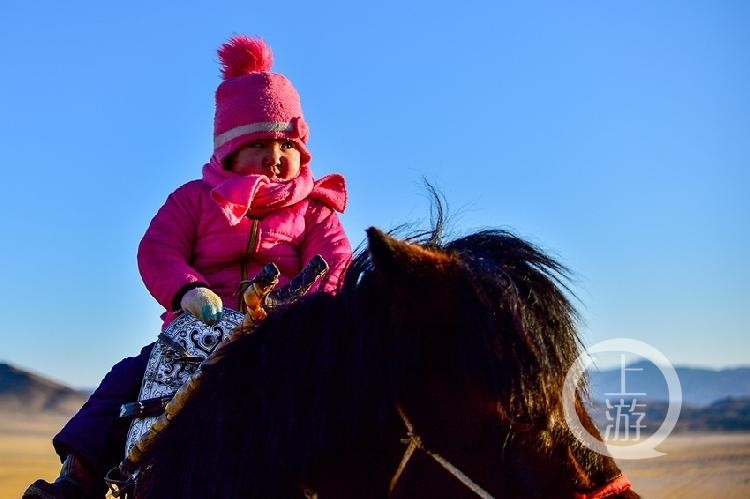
(26, 451)
(697, 465)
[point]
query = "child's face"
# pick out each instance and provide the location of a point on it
(277, 159)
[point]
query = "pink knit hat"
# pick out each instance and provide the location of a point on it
(252, 103)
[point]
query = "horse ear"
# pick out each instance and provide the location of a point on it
(394, 257)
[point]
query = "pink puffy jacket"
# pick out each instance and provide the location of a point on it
(209, 231)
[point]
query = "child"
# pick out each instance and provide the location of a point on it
(256, 203)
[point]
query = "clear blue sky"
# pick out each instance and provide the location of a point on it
(615, 134)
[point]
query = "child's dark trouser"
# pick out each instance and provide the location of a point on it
(96, 434)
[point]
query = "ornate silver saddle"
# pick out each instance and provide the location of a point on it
(175, 357)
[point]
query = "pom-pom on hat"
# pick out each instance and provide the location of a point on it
(252, 103)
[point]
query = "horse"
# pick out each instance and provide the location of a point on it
(436, 370)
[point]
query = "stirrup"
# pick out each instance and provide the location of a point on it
(120, 485)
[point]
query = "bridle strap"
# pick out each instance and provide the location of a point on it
(614, 487)
(415, 442)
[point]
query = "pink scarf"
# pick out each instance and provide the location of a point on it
(256, 195)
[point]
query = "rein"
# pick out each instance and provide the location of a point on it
(415, 442)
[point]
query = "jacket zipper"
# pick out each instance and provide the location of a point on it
(252, 241)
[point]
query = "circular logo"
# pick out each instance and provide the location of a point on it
(643, 449)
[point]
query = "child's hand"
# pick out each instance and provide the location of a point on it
(204, 304)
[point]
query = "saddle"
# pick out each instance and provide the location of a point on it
(176, 357)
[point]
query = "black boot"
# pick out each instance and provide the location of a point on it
(76, 481)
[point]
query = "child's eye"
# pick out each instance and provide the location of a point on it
(257, 145)
(288, 144)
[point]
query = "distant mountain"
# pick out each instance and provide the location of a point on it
(27, 393)
(730, 414)
(712, 400)
(700, 387)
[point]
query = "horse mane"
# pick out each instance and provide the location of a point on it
(320, 377)
(538, 339)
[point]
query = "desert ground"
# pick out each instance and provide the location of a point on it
(696, 465)
(26, 451)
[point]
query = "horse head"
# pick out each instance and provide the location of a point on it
(482, 333)
(461, 347)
